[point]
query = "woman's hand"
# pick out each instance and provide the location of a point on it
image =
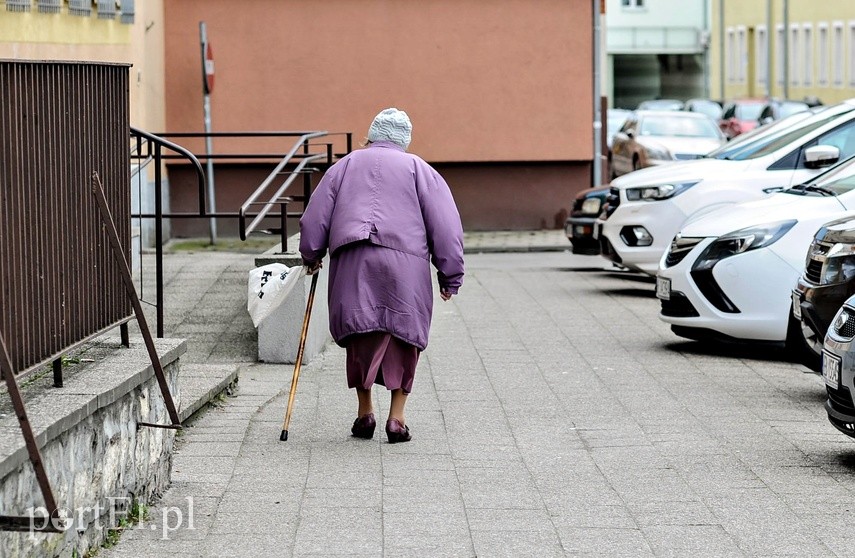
(445, 295)
(313, 267)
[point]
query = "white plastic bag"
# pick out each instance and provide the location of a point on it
(269, 286)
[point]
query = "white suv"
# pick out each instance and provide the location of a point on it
(646, 208)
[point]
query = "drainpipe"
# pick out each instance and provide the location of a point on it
(598, 116)
(706, 46)
(785, 62)
(769, 53)
(721, 75)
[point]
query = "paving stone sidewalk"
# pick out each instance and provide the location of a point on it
(553, 415)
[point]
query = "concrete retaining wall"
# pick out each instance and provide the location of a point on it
(95, 456)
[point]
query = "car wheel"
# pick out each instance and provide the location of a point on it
(803, 345)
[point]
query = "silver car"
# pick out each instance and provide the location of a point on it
(838, 368)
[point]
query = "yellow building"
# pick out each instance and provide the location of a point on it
(783, 49)
(91, 30)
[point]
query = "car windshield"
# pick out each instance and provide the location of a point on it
(782, 136)
(678, 126)
(749, 111)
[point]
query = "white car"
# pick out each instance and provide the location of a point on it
(731, 273)
(647, 207)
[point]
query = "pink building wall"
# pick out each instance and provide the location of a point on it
(499, 92)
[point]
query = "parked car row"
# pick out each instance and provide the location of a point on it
(755, 241)
(666, 130)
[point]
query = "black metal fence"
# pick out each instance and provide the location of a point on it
(59, 122)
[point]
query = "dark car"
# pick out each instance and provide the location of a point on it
(827, 281)
(579, 226)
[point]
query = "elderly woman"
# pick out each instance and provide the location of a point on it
(384, 215)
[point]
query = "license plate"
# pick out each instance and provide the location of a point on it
(663, 288)
(831, 370)
(797, 306)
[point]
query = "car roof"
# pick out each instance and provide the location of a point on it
(671, 114)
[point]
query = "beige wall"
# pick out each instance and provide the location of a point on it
(37, 36)
(482, 80)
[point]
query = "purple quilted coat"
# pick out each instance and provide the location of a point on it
(384, 215)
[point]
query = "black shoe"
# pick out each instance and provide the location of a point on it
(364, 426)
(397, 432)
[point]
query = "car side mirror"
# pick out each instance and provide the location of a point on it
(820, 156)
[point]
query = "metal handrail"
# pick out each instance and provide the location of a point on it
(275, 199)
(154, 150)
(298, 161)
(159, 144)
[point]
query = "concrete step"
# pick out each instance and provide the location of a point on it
(199, 384)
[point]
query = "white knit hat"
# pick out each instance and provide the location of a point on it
(391, 125)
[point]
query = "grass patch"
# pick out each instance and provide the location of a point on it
(250, 245)
(136, 514)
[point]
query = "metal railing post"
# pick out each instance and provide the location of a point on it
(158, 235)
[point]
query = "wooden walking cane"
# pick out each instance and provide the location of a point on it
(283, 437)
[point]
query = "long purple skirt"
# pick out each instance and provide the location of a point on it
(380, 358)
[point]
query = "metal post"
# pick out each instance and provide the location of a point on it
(209, 171)
(721, 75)
(596, 175)
(125, 271)
(283, 223)
(158, 237)
(706, 46)
(209, 148)
(8, 374)
(125, 335)
(769, 52)
(57, 373)
(785, 55)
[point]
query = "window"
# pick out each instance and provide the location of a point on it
(779, 54)
(731, 55)
(837, 54)
(18, 5)
(741, 55)
(851, 53)
(49, 6)
(632, 4)
(807, 58)
(793, 53)
(80, 7)
(822, 54)
(762, 54)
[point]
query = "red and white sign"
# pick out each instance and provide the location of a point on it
(209, 69)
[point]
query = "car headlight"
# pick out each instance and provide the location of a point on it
(658, 153)
(741, 241)
(659, 192)
(839, 265)
(592, 205)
